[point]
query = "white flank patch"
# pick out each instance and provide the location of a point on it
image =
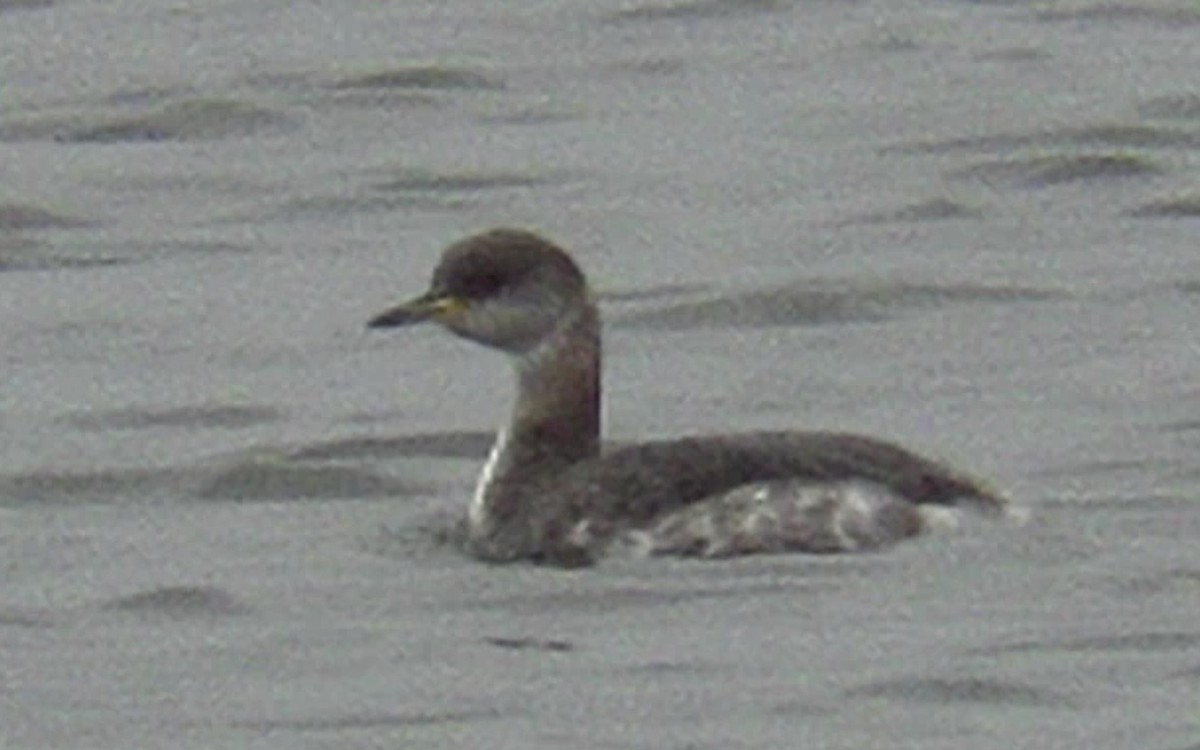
(851, 508)
(634, 543)
(478, 518)
(581, 534)
(939, 517)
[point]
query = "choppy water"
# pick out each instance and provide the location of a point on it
(972, 227)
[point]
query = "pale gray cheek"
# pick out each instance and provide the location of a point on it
(505, 326)
(478, 329)
(513, 323)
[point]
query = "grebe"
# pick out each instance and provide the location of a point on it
(547, 493)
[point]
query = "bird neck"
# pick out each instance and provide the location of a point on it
(555, 423)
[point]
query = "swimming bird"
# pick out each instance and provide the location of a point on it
(548, 493)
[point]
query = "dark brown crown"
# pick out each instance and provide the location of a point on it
(487, 264)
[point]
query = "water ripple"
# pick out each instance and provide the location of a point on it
(968, 690)
(812, 303)
(179, 602)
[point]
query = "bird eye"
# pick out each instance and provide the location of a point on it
(480, 285)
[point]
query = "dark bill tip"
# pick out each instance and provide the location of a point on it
(414, 311)
(401, 315)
